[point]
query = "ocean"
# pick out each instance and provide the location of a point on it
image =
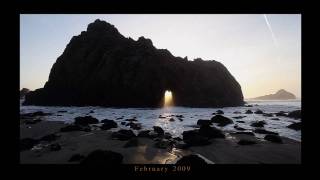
(149, 117)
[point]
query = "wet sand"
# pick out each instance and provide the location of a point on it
(220, 151)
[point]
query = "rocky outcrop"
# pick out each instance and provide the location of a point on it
(279, 95)
(23, 92)
(103, 68)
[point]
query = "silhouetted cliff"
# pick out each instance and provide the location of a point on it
(102, 67)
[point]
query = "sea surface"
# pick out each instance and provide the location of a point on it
(149, 117)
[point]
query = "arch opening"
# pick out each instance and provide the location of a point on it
(168, 98)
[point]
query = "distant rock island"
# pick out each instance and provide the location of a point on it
(279, 95)
(101, 67)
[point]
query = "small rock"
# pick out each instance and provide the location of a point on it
(273, 138)
(158, 130)
(201, 122)
(248, 112)
(276, 119)
(221, 120)
(171, 119)
(144, 133)
(237, 112)
(239, 117)
(86, 120)
(281, 113)
(263, 131)
(62, 111)
(258, 111)
(219, 112)
(240, 121)
(210, 132)
(267, 114)
(258, 124)
(295, 126)
(238, 128)
(246, 133)
(108, 124)
(295, 114)
(123, 123)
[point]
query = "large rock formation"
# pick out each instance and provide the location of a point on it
(23, 92)
(102, 67)
(279, 95)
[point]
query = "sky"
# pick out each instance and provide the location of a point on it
(263, 52)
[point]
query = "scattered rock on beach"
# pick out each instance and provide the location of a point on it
(275, 119)
(258, 124)
(238, 128)
(295, 126)
(201, 122)
(267, 114)
(237, 112)
(171, 119)
(219, 112)
(239, 117)
(246, 133)
(263, 131)
(258, 111)
(108, 124)
(193, 138)
(102, 157)
(158, 130)
(210, 132)
(240, 122)
(135, 126)
(221, 120)
(86, 120)
(295, 114)
(248, 112)
(123, 134)
(193, 160)
(281, 113)
(273, 138)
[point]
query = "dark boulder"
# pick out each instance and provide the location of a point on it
(135, 126)
(101, 67)
(101, 157)
(263, 131)
(27, 143)
(192, 160)
(76, 157)
(295, 126)
(123, 135)
(123, 123)
(158, 130)
(108, 124)
(193, 138)
(144, 133)
(238, 128)
(258, 111)
(221, 120)
(246, 133)
(258, 124)
(239, 117)
(248, 112)
(201, 122)
(171, 119)
(237, 112)
(219, 112)
(240, 122)
(210, 132)
(86, 120)
(281, 113)
(295, 114)
(273, 138)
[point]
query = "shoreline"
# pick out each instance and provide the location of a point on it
(144, 151)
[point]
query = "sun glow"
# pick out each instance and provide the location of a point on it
(168, 101)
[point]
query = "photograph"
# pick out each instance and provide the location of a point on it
(145, 90)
